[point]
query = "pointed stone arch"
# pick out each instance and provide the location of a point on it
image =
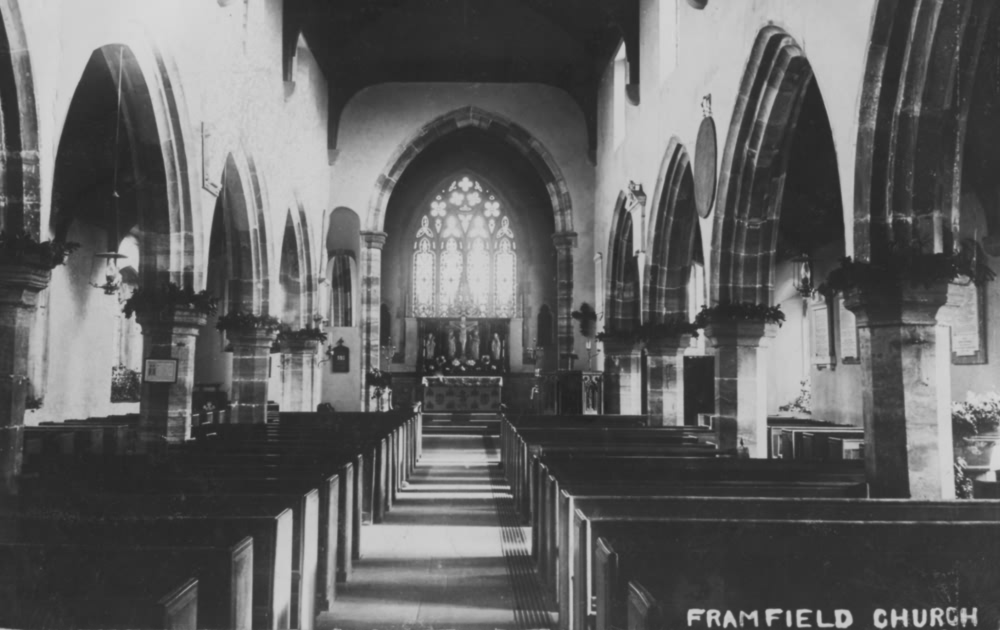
(920, 70)
(672, 239)
(20, 188)
(622, 301)
(494, 124)
(754, 163)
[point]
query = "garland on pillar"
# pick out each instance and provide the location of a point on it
(286, 333)
(22, 249)
(671, 328)
(242, 322)
(168, 298)
(909, 266)
(730, 312)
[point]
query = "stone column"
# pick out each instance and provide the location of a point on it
(665, 380)
(741, 379)
(623, 378)
(906, 390)
(371, 301)
(19, 289)
(565, 243)
(165, 408)
(298, 358)
(251, 355)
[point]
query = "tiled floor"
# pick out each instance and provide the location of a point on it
(450, 553)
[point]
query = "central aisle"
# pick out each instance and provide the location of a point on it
(450, 554)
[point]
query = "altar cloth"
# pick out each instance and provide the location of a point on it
(476, 394)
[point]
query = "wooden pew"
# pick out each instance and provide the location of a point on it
(271, 533)
(644, 509)
(791, 438)
(686, 564)
(567, 481)
(67, 577)
(286, 493)
(276, 451)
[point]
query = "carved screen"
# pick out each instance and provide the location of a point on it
(465, 255)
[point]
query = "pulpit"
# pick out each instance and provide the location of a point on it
(465, 394)
(570, 392)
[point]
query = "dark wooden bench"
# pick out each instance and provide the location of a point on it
(645, 509)
(691, 564)
(305, 505)
(193, 522)
(563, 481)
(63, 578)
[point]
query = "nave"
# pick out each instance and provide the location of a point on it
(450, 554)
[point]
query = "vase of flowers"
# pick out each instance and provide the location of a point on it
(379, 384)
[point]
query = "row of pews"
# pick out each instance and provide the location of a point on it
(814, 440)
(245, 526)
(657, 527)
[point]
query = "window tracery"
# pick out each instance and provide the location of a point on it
(465, 255)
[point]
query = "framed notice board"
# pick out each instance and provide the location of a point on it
(159, 371)
(847, 326)
(824, 354)
(965, 314)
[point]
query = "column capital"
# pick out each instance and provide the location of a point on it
(20, 284)
(668, 345)
(373, 239)
(256, 337)
(564, 241)
(177, 320)
(740, 333)
(299, 346)
(910, 305)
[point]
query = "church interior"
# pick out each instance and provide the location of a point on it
(482, 314)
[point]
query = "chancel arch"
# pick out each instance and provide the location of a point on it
(468, 248)
(529, 158)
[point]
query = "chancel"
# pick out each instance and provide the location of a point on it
(585, 314)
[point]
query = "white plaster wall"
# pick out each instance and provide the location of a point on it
(225, 70)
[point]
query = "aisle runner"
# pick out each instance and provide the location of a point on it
(529, 605)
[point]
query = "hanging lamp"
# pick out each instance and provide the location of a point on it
(106, 263)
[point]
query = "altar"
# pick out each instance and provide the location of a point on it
(468, 394)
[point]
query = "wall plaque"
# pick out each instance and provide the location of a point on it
(823, 355)
(160, 371)
(340, 358)
(848, 334)
(705, 167)
(965, 314)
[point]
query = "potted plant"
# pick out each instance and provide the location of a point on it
(126, 384)
(801, 406)
(587, 317)
(974, 426)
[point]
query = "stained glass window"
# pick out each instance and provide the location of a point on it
(423, 278)
(465, 255)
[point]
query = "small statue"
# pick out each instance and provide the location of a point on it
(496, 348)
(472, 348)
(429, 346)
(452, 345)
